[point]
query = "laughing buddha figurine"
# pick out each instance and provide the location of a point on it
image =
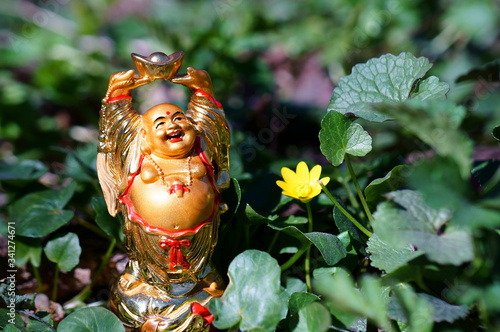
(164, 171)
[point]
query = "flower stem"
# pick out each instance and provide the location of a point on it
(344, 211)
(307, 264)
(358, 189)
(273, 241)
(294, 258)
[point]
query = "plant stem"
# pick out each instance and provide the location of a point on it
(273, 241)
(358, 189)
(85, 292)
(344, 211)
(307, 264)
(350, 194)
(38, 277)
(56, 282)
(294, 258)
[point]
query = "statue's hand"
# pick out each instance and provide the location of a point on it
(195, 79)
(121, 83)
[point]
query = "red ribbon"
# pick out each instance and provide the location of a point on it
(175, 187)
(176, 255)
(117, 98)
(198, 309)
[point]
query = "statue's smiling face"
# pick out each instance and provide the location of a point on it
(168, 132)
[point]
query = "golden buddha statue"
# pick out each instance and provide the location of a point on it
(164, 170)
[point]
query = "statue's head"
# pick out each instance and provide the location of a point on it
(167, 132)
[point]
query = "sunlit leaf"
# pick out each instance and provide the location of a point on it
(64, 251)
(389, 257)
(39, 214)
(28, 250)
(253, 300)
(91, 319)
(419, 225)
(431, 88)
(340, 136)
(387, 79)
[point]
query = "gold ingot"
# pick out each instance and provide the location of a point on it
(158, 64)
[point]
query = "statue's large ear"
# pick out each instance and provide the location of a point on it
(145, 148)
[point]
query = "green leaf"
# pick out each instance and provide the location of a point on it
(431, 88)
(436, 123)
(105, 221)
(444, 311)
(394, 180)
(416, 224)
(386, 79)
(440, 182)
(389, 258)
(300, 300)
(490, 72)
(339, 136)
(41, 213)
(80, 163)
(91, 319)
(25, 170)
(253, 300)
(64, 251)
(313, 318)
(11, 328)
(341, 296)
(28, 250)
(5, 317)
(409, 308)
(254, 217)
(345, 225)
(329, 246)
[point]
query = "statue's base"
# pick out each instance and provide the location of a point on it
(175, 306)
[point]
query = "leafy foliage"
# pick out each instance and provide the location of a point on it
(253, 300)
(91, 319)
(412, 241)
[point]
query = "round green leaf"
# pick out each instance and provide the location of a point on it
(339, 136)
(41, 213)
(254, 299)
(389, 78)
(93, 319)
(64, 251)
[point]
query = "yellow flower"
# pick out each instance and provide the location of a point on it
(302, 184)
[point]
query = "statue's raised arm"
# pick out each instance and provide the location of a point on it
(209, 119)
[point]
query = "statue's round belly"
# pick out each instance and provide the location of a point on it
(159, 208)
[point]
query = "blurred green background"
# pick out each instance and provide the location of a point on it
(273, 63)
